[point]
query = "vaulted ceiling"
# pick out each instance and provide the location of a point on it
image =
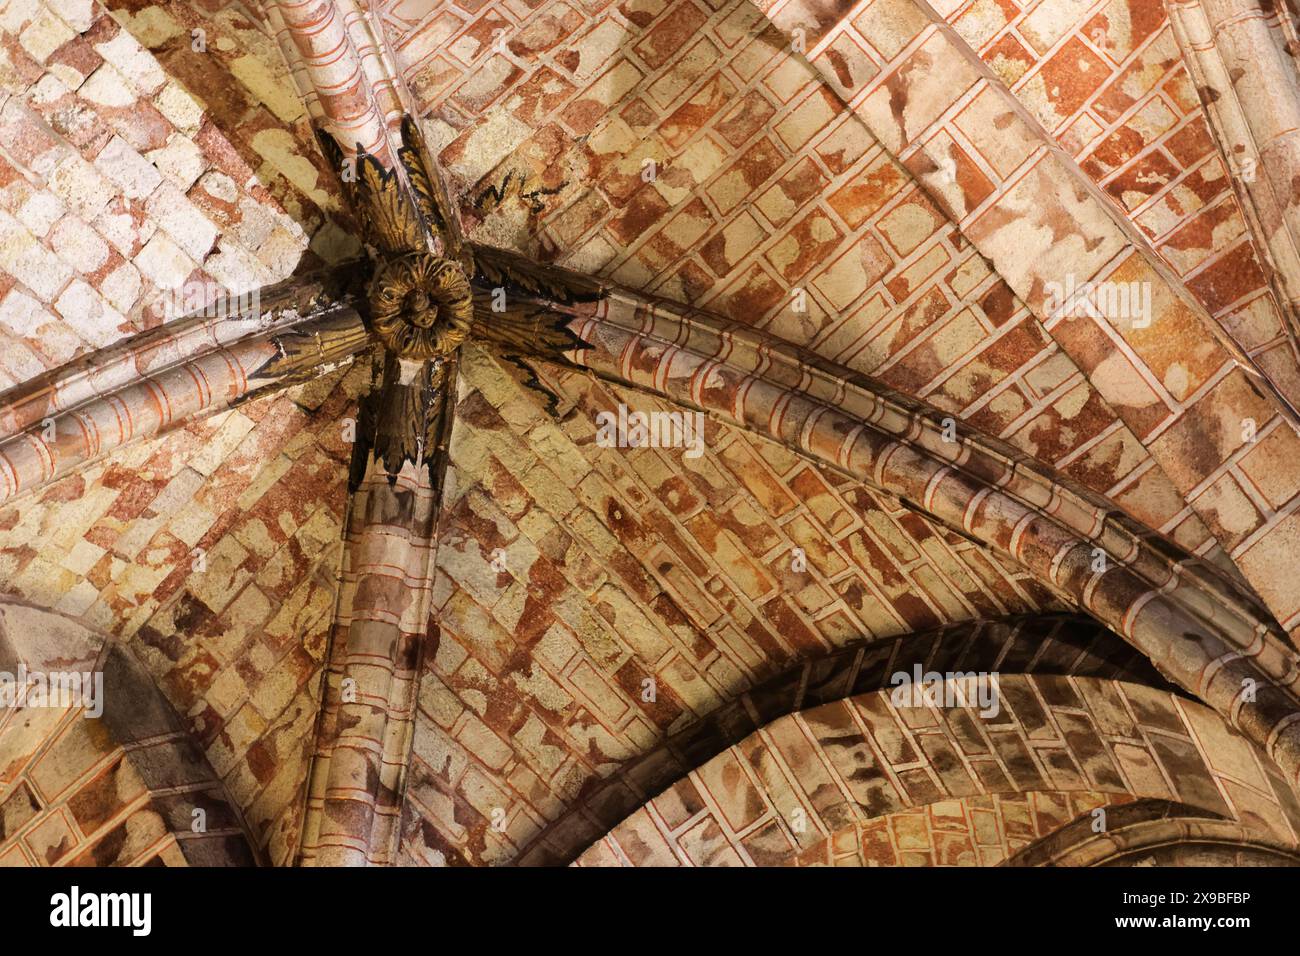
(311, 310)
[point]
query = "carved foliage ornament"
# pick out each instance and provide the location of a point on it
(421, 306)
(398, 211)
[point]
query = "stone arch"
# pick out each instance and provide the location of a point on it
(1159, 831)
(1200, 628)
(1041, 644)
(818, 771)
(981, 830)
(106, 775)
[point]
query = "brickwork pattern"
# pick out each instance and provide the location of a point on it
(615, 570)
(806, 777)
(757, 154)
(133, 165)
(1043, 644)
(1201, 629)
(236, 641)
(127, 786)
(885, 201)
(1167, 403)
(1107, 80)
(974, 831)
(76, 799)
(1177, 379)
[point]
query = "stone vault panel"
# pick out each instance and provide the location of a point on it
(765, 184)
(137, 171)
(214, 552)
(853, 761)
(569, 574)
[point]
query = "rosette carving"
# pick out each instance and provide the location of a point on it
(421, 306)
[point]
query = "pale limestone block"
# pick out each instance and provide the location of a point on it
(16, 14)
(281, 251)
(24, 258)
(78, 14)
(22, 315)
(79, 245)
(134, 174)
(236, 269)
(122, 287)
(119, 227)
(83, 556)
(44, 35)
(180, 161)
(183, 221)
(181, 109)
(86, 312)
(164, 262)
(136, 63)
(107, 87)
(20, 361)
(40, 211)
(77, 183)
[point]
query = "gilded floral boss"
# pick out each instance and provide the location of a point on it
(421, 306)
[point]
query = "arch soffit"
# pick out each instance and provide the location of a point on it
(135, 726)
(810, 774)
(1048, 644)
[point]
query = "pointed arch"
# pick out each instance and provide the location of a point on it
(107, 775)
(1050, 644)
(809, 775)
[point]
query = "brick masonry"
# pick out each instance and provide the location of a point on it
(688, 581)
(127, 786)
(131, 165)
(256, 496)
(891, 198)
(973, 831)
(806, 778)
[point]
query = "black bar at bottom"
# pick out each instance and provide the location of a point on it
(589, 909)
